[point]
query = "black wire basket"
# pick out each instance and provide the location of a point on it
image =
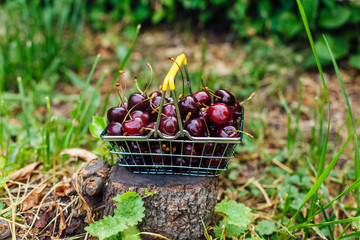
(157, 153)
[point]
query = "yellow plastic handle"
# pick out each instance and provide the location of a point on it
(169, 79)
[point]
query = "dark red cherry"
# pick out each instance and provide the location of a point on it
(203, 97)
(169, 110)
(116, 114)
(219, 114)
(225, 97)
(227, 132)
(179, 161)
(138, 101)
(134, 127)
(215, 162)
(204, 115)
(237, 111)
(195, 127)
(158, 157)
(207, 148)
(169, 126)
(114, 129)
(145, 116)
(137, 147)
(188, 104)
(190, 149)
(154, 104)
(155, 94)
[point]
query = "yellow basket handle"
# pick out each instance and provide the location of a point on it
(169, 79)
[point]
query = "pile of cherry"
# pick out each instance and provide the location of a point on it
(203, 114)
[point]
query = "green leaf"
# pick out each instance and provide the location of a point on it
(131, 210)
(311, 9)
(266, 227)
(236, 213)
(106, 227)
(97, 125)
(288, 24)
(354, 61)
(3, 180)
(334, 18)
(231, 230)
(339, 46)
(131, 233)
(148, 193)
(2, 206)
(125, 196)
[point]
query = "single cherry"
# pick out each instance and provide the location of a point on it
(114, 129)
(138, 101)
(227, 132)
(225, 97)
(179, 161)
(207, 148)
(169, 126)
(158, 157)
(145, 116)
(203, 97)
(189, 149)
(134, 127)
(204, 115)
(188, 104)
(169, 111)
(215, 162)
(219, 114)
(237, 111)
(137, 147)
(154, 106)
(116, 114)
(155, 94)
(195, 127)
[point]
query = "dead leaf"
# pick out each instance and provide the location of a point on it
(61, 190)
(71, 228)
(44, 219)
(34, 198)
(23, 173)
(80, 153)
(62, 225)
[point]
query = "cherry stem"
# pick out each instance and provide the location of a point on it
(128, 113)
(182, 76)
(206, 89)
(247, 134)
(137, 85)
(248, 99)
(118, 87)
(151, 77)
(187, 117)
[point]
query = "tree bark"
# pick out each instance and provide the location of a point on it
(178, 207)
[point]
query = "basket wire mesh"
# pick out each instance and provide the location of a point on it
(140, 155)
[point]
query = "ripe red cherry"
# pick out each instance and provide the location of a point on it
(116, 114)
(188, 104)
(189, 149)
(207, 148)
(169, 110)
(179, 161)
(137, 147)
(204, 115)
(114, 129)
(158, 157)
(227, 132)
(237, 111)
(138, 101)
(169, 125)
(145, 116)
(225, 97)
(219, 114)
(195, 127)
(134, 127)
(154, 104)
(155, 94)
(203, 97)
(215, 162)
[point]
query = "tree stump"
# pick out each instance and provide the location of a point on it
(178, 206)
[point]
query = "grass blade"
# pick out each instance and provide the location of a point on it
(324, 174)
(23, 105)
(357, 151)
(347, 220)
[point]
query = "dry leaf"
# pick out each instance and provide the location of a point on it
(62, 225)
(61, 190)
(23, 173)
(80, 153)
(44, 219)
(34, 198)
(71, 228)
